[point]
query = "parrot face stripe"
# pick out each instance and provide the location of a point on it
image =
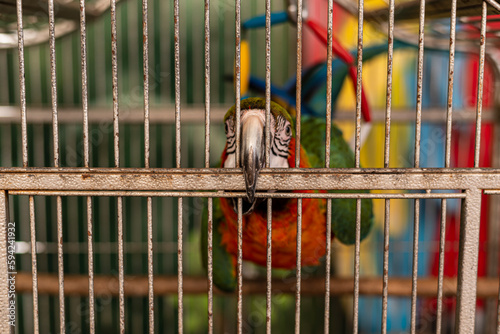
(252, 145)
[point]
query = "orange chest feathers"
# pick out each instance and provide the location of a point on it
(284, 232)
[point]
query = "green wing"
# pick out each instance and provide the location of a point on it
(223, 269)
(341, 156)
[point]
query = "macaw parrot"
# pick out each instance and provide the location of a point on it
(284, 211)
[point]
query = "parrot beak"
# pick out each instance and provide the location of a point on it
(252, 155)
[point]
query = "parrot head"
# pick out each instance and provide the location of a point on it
(252, 142)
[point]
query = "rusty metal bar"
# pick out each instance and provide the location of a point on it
(420, 73)
(145, 52)
(467, 262)
(114, 68)
(85, 106)
(239, 267)
(480, 85)
(238, 194)
(451, 70)
(121, 264)
(328, 263)
(90, 241)
(418, 130)
(194, 114)
(55, 129)
(442, 244)
(180, 279)
(414, 281)
(268, 84)
(387, 218)
(210, 268)
(299, 266)
(328, 221)
(122, 179)
(86, 160)
(116, 142)
(34, 269)
(4, 271)
(210, 274)
(357, 253)
(76, 285)
(22, 81)
(207, 84)
(180, 321)
(298, 88)
(388, 100)
(60, 262)
(237, 79)
(357, 143)
(269, 264)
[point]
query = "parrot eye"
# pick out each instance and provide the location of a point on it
(288, 130)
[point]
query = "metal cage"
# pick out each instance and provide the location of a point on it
(58, 185)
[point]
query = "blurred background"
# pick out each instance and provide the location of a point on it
(283, 70)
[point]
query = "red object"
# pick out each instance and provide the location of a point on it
(346, 57)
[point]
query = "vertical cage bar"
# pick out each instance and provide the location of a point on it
(387, 218)
(442, 244)
(328, 263)
(239, 267)
(180, 290)
(121, 275)
(145, 64)
(85, 106)
(210, 268)
(357, 143)
(467, 262)
(207, 83)
(86, 161)
(151, 300)
(298, 91)
(34, 267)
(90, 241)
(299, 266)
(269, 264)
(388, 95)
(237, 74)
(480, 85)
(22, 82)
(329, 58)
(60, 262)
(420, 72)
(114, 71)
(418, 131)
(177, 85)
(116, 142)
(268, 82)
(207, 165)
(451, 69)
(357, 248)
(55, 129)
(145, 69)
(4, 272)
(414, 275)
(53, 81)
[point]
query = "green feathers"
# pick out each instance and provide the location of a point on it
(341, 156)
